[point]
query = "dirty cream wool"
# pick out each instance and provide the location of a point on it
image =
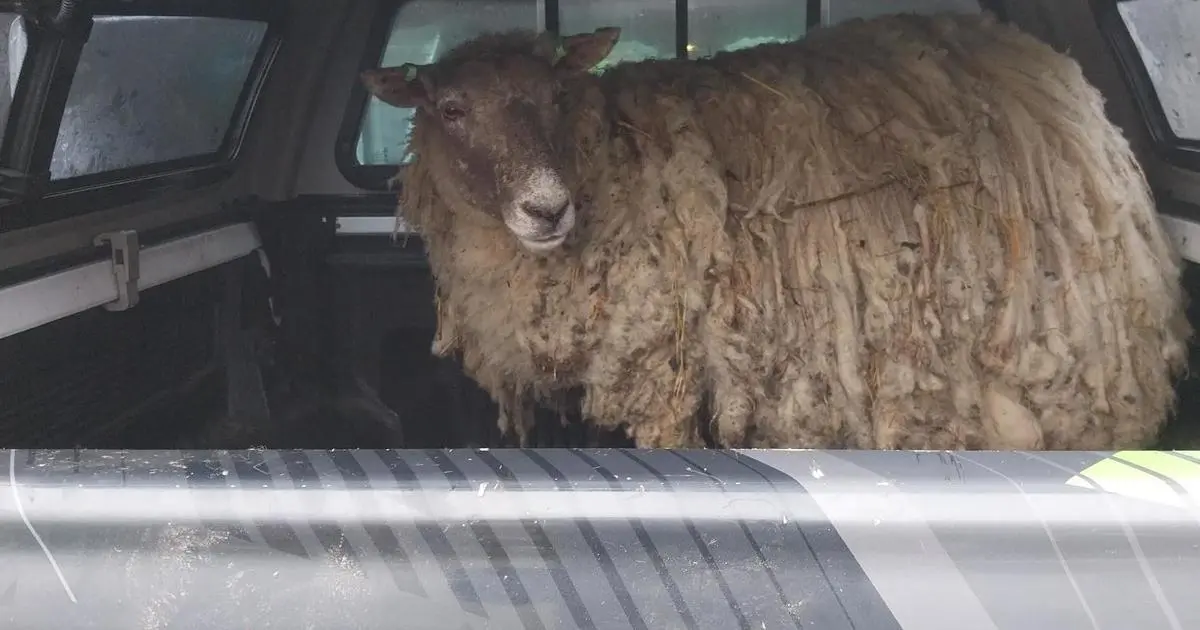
(908, 232)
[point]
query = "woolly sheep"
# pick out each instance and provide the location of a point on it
(915, 232)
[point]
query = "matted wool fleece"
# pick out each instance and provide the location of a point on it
(907, 232)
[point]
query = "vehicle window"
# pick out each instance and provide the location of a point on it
(647, 28)
(423, 29)
(12, 56)
(715, 25)
(841, 10)
(1167, 36)
(127, 108)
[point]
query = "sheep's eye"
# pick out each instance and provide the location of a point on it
(452, 113)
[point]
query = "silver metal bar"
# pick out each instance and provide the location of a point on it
(52, 297)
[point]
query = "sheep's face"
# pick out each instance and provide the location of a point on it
(492, 106)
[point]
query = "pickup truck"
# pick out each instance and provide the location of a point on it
(219, 407)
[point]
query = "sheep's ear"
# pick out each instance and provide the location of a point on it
(398, 86)
(581, 53)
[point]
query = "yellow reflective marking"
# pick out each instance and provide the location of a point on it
(1184, 472)
(1174, 468)
(1114, 475)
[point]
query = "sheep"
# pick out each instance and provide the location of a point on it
(908, 232)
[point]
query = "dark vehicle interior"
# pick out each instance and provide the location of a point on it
(198, 242)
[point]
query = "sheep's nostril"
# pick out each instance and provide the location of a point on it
(551, 214)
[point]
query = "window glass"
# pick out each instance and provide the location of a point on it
(1167, 36)
(647, 26)
(715, 25)
(841, 10)
(12, 56)
(421, 32)
(423, 29)
(153, 89)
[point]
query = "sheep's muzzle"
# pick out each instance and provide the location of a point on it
(542, 213)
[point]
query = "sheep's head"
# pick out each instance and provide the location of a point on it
(492, 105)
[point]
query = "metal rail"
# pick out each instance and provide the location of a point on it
(599, 539)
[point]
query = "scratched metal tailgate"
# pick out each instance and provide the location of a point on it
(599, 539)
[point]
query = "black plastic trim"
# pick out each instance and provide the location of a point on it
(681, 29)
(812, 14)
(553, 16)
(379, 253)
(95, 192)
(1181, 152)
(36, 110)
(998, 8)
(374, 176)
(263, 11)
(366, 204)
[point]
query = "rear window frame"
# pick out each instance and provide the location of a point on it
(371, 177)
(55, 200)
(375, 177)
(1171, 148)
